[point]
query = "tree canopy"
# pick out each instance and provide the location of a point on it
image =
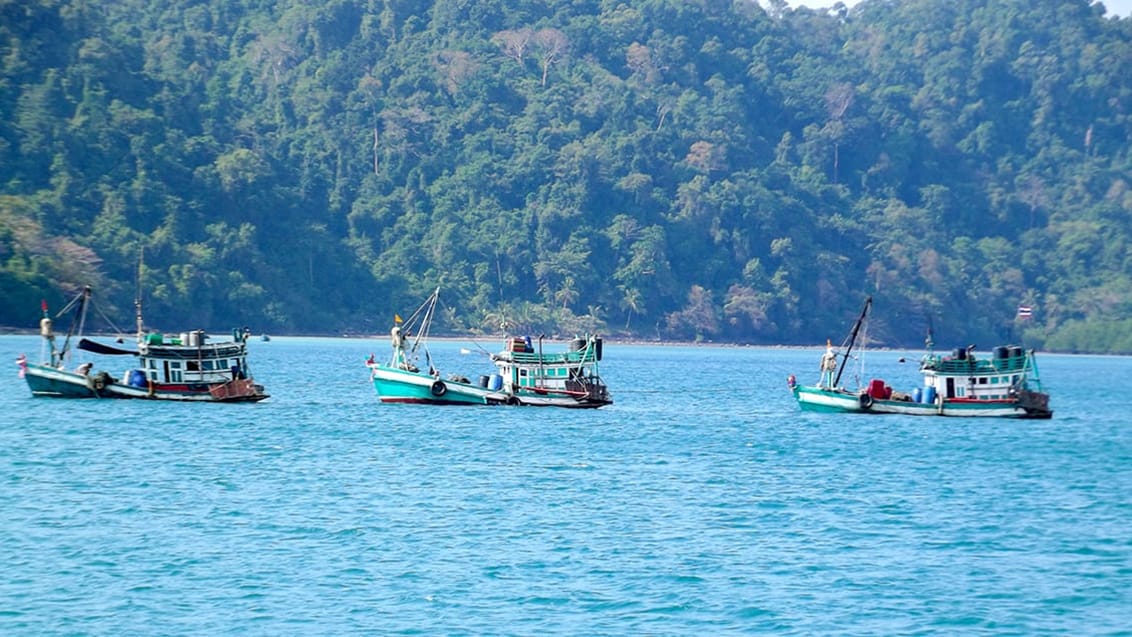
(675, 169)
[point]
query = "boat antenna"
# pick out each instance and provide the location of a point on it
(138, 295)
(852, 339)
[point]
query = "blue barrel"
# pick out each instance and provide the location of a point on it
(929, 395)
(137, 378)
(496, 382)
(917, 395)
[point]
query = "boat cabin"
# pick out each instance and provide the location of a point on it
(573, 372)
(964, 376)
(190, 359)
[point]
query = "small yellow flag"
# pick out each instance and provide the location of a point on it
(396, 318)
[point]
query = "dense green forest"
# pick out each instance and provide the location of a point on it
(673, 169)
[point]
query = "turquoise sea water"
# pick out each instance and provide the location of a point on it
(702, 502)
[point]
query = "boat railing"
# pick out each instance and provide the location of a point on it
(975, 365)
(223, 349)
(558, 358)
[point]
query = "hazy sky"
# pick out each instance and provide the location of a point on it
(1122, 8)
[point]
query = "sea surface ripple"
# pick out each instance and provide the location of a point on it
(701, 502)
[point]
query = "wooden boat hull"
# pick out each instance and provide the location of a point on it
(47, 381)
(843, 401)
(395, 385)
(549, 398)
(56, 383)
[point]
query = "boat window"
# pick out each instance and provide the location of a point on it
(175, 364)
(983, 380)
(222, 364)
(152, 364)
(192, 366)
(522, 372)
(207, 365)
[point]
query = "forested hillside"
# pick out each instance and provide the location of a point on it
(675, 169)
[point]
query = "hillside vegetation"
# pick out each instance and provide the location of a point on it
(675, 169)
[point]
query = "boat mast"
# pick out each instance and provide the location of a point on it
(541, 371)
(58, 356)
(429, 307)
(852, 339)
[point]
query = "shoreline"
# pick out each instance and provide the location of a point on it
(613, 341)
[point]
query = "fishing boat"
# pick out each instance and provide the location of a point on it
(189, 366)
(1005, 384)
(524, 375)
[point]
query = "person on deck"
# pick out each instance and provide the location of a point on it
(397, 339)
(828, 366)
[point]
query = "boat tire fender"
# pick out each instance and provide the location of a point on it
(98, 381)
(866, 401)
(439, 388)
(514, 401)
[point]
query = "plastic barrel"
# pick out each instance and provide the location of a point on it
(917, 395)
(496, 382)
(484, 380)
(929, 395)
(137, 378)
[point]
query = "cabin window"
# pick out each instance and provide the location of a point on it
(192, 366)
(152, 364)
(207, 365)
(175, 365)
(983, 381)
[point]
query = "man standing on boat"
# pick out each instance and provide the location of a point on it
(399, 338)
(828, 366)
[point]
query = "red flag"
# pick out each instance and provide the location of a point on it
(43, 304)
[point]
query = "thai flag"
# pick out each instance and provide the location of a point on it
(1025, 311)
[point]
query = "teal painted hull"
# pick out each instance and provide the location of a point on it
(46, 381)
(818, 399)
(399, 386)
